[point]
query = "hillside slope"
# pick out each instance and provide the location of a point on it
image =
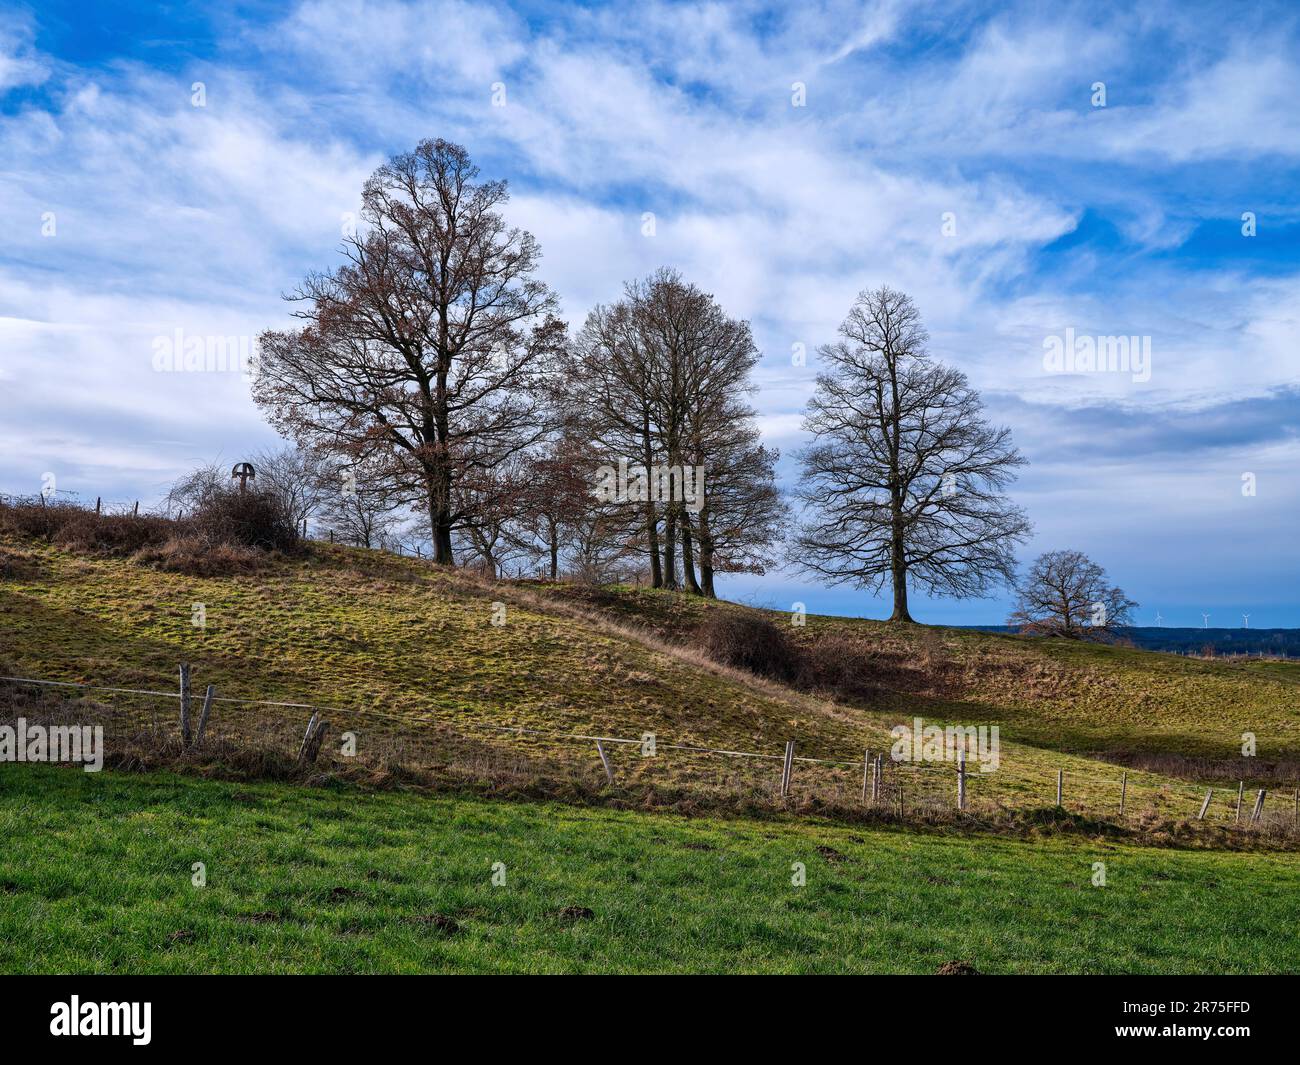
(405, 642)
(1064, 695)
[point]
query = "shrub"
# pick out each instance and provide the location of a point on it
(841, 665)
(81, 529)
(198, 558)
(251, 519)
(751, 642)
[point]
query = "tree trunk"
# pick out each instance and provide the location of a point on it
(688, 557)
(670, 549)
(651, 519)
(898, 566)
(706, 555)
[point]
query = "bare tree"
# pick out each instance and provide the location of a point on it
(556, 499)
(659, 380)
(427, 345)
(358, 506)
(298, 477)
(609, 375)
(904, 481)
(1065, 593)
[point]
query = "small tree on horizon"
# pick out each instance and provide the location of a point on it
(904, 481)
(1065, 593)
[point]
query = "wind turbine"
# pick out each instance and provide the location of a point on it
(1246, 619)
(1159, 619)
(1207, 620)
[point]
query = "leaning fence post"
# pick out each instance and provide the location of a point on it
(135, 511)
(203, 714)
(312, 738)
(1123, 792)
(1241, 787)
(1258, 812)
(1060, 777)
(604, 760)
(787, 766)
(98, 501)
(961, 779)
(866, 773)
(185, 704)
(1205, 805)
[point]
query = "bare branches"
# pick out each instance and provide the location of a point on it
(904, 480)
(426, 350)
(1065, 593)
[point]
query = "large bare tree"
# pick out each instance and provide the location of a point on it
(423, 351)
(1065, 593)
(904, 481)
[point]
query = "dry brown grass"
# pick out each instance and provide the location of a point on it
(199, 558)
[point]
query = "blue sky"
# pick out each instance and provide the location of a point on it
(128, 213)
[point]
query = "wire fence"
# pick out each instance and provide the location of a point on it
(874, 779)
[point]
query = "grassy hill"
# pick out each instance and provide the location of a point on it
(1064, 695)
(96, 877)
(401, 641)
(423, 662)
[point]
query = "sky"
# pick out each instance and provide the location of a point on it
(1024, 172)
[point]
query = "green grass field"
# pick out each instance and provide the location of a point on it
(96, 876)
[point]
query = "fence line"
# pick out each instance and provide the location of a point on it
(408, 721)
(864, 764)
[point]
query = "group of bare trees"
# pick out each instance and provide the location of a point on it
(432, 376)
(663, 375)
(432, 365)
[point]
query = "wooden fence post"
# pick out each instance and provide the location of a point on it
(135, 511)
(185, 704)
(787, 768)
(98, 501)
(961, 779)
(875, 778)
(312, 739)
(1258, 812)
(1241, 787)
(1060, 778)
(1123, 792)
(1205, 805)
(604, 760)
(203, 714)
(866, 772)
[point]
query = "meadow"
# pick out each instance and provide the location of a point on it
(97, 876)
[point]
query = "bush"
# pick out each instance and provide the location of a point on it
(81, 529)
(198, 558)
(841, 665)
(251, 519)
(751, 642)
